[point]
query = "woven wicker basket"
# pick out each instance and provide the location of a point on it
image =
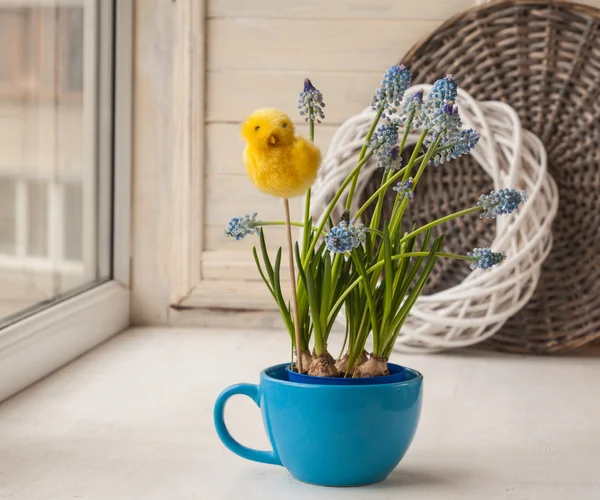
(542, 58)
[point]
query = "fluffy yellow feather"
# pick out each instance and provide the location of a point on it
(277, 161)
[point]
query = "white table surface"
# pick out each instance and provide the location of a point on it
(133, 420)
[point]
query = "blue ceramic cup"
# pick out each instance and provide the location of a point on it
(330, 435)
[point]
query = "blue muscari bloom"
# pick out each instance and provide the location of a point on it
(389, 161)
(345, 236)
(484, 258)
(412, 107)
(467, 141)
(387, 97)
(239, 227)
(310, 102)
(504, 201)
(442, 121)
(439, 114)
(459, 145)
(405, 189)
(445, 90)
(383, 144)
(385, 137)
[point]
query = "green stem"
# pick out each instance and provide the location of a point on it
(375, 231)
(407, 126)
(307, 235)
(345, 338)
(400, 205)
(399, 214)
(414, 159)
(379, 265)
(319, 344)
(363, 151)
(331, 206)
(425, 254)
(420, 158)
(261, 223)
(403, 172)
(337, 262)
(375, 219)
(307, 224)
(426, 159)
(359, 265)
(440, 221)
(379, 207)
(382, 189)
(392, 179)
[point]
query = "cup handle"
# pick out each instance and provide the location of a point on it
(253, 392)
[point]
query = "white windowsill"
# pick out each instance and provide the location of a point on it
(133, 419)
(39, 344)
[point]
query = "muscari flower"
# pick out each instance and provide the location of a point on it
(504, 201)
(405, 189)
(444, 90)
(383, 144)
(440, 114)
(389, 161)
(484, 258)
(310, 102)
(240, 227)
(387, 97)
(459, 145)
(443, 123)
(345, 236)
(394, 159)
(412, 107)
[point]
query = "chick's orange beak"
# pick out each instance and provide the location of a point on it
(272, 139)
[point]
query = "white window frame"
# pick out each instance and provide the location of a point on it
(173, 279)
(39, 344)
(168, 156)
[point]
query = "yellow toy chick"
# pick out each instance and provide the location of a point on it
(277, 161)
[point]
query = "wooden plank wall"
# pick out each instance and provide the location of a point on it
(258, 54)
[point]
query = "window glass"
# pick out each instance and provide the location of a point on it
(49, 149)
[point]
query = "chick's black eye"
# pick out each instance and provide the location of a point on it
(283, 125)
(257, 128)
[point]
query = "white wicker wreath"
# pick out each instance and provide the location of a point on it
(475, 309)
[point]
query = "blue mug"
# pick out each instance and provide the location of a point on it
(330, 435)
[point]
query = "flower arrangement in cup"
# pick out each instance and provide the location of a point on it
(369, 270)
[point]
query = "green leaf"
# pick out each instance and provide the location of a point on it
(314, 300)
(415, 267)
(303, 309)
(307, 278)
(369, 243)
(277, 276)
(265, 254)
(262, 274)
(325, 291)
(308, 234)
(337, 277)
(405, 247)
(408, 275)
(358, 263)
(330, 221)
(319, 253)
(388, 279)
(276, 293)
(414, 294)
(285, 311)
